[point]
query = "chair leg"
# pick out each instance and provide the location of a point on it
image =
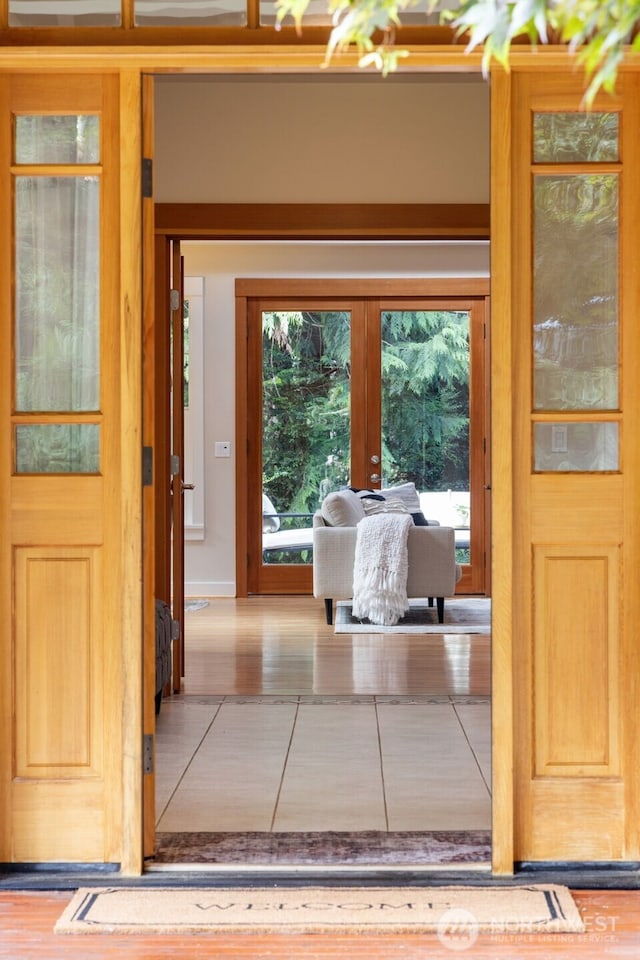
(430, 601)
(328, 607)
(440, 605)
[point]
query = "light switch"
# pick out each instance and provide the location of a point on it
(559, 438)
(222, 448)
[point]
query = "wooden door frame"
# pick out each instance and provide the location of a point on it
(137, 258)
(360, 297)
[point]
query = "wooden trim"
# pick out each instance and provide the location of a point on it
(242, 434)
(254, 33)
(502, 467)
(45, 49)
(343, 221)
(148, 492)
(128, 15)
(6, 460)
(630, 346)
(176, 531)
(379, 288)
(131, 471)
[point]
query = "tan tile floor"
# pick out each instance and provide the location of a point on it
(320, 763)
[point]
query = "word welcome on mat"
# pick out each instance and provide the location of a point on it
(540, 908)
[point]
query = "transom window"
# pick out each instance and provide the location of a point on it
(179, 13)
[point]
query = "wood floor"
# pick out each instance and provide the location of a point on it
(283, 645)
(27, 919)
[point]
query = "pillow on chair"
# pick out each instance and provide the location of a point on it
(342, 509)
(405, 495)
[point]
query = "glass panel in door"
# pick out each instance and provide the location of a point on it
(306, 424)
(425, 366)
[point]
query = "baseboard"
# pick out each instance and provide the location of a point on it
(209, 588)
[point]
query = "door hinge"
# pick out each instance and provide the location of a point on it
(175, 629)
(174, 299)
(175, 465)
(147, 466)
(147, 753)
(147, 177)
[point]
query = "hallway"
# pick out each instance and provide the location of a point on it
(285, 727)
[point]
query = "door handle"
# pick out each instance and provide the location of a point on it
(187, 486)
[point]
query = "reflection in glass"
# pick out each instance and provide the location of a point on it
(575, 137)
(425, 412)
(64, 13)
(58, 139)
(306, 424)
(575, 337)
(58, 448)
(57, 296)
(190, 13)
(576, 447)
(420, 14)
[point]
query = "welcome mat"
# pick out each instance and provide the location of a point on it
(334, 848)
(464, 615)
(449, 911)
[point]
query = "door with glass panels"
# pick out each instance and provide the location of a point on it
(367, 393)
(60, 554)
(575, 482)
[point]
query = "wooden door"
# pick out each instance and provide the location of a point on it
(367, 338)
(64, 474)
(177, 460)
(573, 339)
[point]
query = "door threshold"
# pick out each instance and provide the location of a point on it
(292, 869)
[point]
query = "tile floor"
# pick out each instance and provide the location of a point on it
(309, 763)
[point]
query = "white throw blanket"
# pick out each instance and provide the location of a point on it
(380, 568)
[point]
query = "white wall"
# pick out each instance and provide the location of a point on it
(319, 138)
(210, 563)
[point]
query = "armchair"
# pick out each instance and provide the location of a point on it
(433, 571)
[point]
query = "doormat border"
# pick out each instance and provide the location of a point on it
(449, 911)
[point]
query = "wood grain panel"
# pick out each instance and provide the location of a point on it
(45, 827)
(576, 650)
(577, 508)
(58, 662)
(571, 816)
(36, 509)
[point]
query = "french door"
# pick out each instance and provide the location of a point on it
(379, 384)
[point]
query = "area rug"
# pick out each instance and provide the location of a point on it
(452, 912)
(330, 848)
(464, 615)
